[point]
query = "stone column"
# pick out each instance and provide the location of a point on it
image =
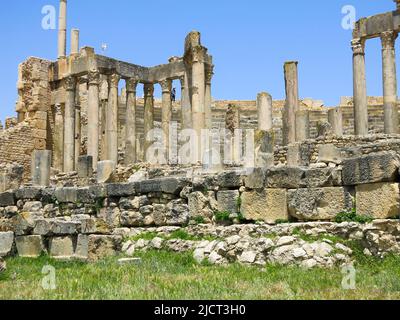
(264, 108)
(62, 29)
(112, 119)
(130, 126)
(302, 125)
(390, 82)
(335, 118)
(360, 88)
(78, 134)
(148, 116)
(58, 138)
(198, 95)
(186, 108)
(41, 164)
(292, 102)
(93, 117)
(166, 114)
(103, 118)
(208, 98)
(74, 41)
(69, 124)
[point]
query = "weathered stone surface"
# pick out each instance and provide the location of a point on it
(6, 243)
(379, 167)
(199, 206)
(175, 213)
(378, 200)
(111, 216)
(228, 201)
(30, 246)
(66, 195)
(319, 203)
(131, 219)
(31, 193)
(82, 247)
(105, 171)
(285, 178)
(268, 205)
(100, 247)
(42, 227)
(166, 185)
(7, 199)
(319, 177)
(61, 247)
(328, 153)
(256, 180)
(120, 189)
(230, 179)
(59, 227)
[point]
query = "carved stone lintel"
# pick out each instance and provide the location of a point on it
(131, 85)
(69, 83)
(93, 78)
(388, 39)
(358, 46)
(148, 89)
(114, 80)
(166, 86)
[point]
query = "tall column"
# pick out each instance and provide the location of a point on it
(62, 29)
(292, 102)
(198, 94)
(78, 134)
(390, 82)
(264, 108)
(112, 119)
(359, 88)
(93, 117)
(74, 41)
(58, 138)
(186, 108)
(302, 125)
(148, 115)
(335, 118)
(130, 126)
(69, 124)
(103, 117)
(208, 98)
(166, 114)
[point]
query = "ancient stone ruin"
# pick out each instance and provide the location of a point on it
(86, 168)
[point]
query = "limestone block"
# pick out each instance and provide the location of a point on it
(120, 189)
(319, 203)
(231, 179)
(82, 247)
(256, 179)
(85, 167)
(329, 153)
(175, 213)
(228, 201)
(61, 247)
(199, 205)
(285, 178)
(105, 171)
(268, 205)
(31, 193)
(319, 178)
(378, 200)
(131, 219)
(42, 227)
(30, 246)
(165, 185)
(66, 195)
(7, 199)
(6, 243)
(60, 227)
(100, 246)
(379, 167)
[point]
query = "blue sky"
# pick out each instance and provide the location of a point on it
(250, 40)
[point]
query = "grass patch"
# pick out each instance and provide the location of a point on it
(352, 216)
(163, 275)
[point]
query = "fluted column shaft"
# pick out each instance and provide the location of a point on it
(208, 98)
(69, 125)
(130, 126)
(93, 117)
(148, 116)
(112, 119)
(58, 138)
(166, 114)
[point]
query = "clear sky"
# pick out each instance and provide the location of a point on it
(250, 40)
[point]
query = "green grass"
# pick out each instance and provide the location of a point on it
(352, 216)
(163, 275)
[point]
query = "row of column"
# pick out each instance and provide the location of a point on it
(391, 117)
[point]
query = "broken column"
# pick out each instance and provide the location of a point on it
(390, 82)
(264, 108)
(93, 117)
(130, 126)
(166, 114)
(62, 29)
(41, 164)
(112, 119)
(74, 41)
(335, 118)
(208, 98)
(292, 102)
(148, 116)
(69, 124)
(186, 108)
(360, 88)
(302, 125)
(85, 167)
(58, 138)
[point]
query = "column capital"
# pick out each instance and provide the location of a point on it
(209, 74)
(198, 54)
(93, 78)
(166, 86)
(69, 83)
(114, 80)
(358, 46)
(182, 80)
(388, 39)
(148, 89)
(131, 85)
(58, 109)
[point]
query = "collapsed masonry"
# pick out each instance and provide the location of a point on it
(77, 172)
